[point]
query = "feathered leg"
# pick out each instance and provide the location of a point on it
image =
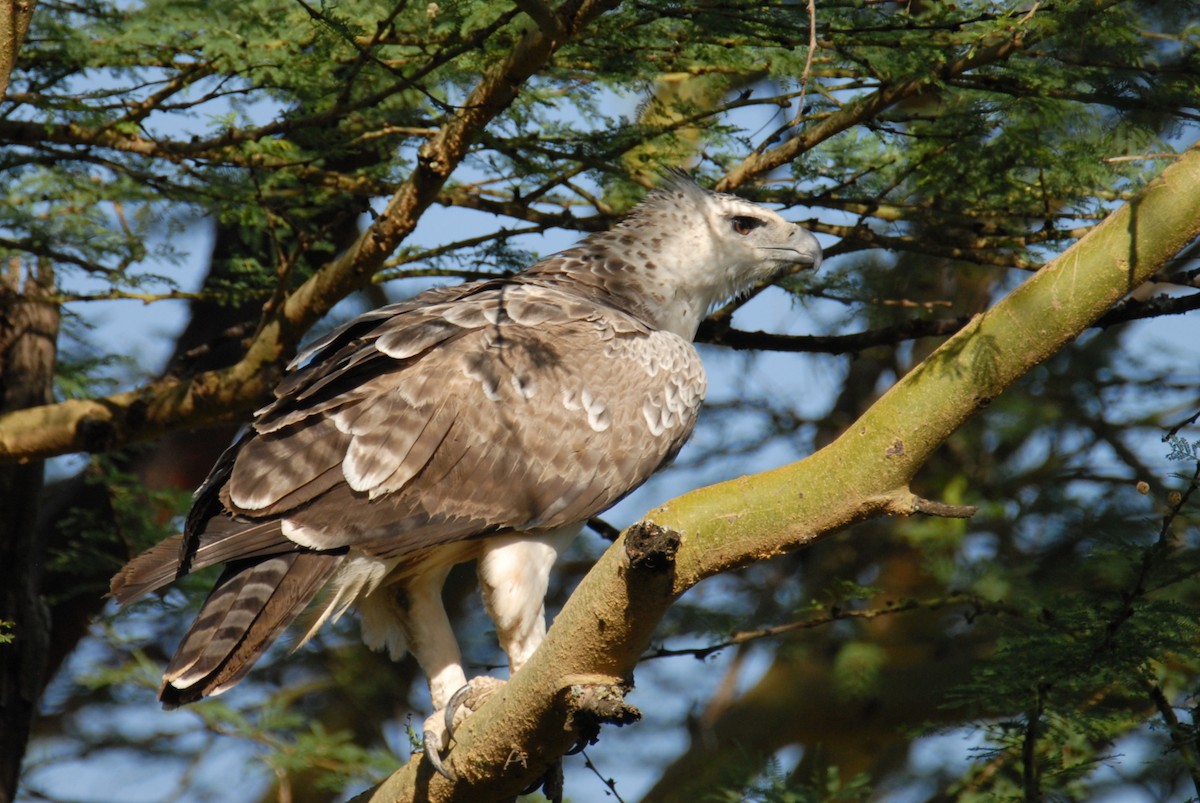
(431, 641)
(429, 635)
(514, 571)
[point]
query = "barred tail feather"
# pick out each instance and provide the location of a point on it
(251, 605)
(150, 570)
(224, 539)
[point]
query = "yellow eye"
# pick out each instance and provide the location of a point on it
(744, 225)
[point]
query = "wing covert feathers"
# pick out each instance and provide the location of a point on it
(535, 410)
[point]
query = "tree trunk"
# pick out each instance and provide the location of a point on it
(14, 24)
(28, 332)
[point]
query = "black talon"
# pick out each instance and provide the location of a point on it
(433, 745)
(431, 753)
(452, 706)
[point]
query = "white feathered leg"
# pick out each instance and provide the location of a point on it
(514, 571)
(431, 640)
(429, 635)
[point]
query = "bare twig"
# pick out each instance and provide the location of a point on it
(1030, 774)
(712, 331)
(977, 606)
(609, 782)
(1183, 737)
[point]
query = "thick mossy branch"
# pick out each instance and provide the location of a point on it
(608, 622)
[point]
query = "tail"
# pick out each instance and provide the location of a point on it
(152, 569)
(252, 604)
(224, 540)
(267, 582)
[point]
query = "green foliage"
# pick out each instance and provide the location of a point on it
(275, 731)
(1183, 449)
(1081, 665)
(823, 785)
(281, 120)
(122, 515)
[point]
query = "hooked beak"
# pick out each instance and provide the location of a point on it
(802, 252)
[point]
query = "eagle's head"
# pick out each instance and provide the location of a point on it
(684, 249)
(745, 242)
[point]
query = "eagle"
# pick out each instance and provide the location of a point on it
(486, 421)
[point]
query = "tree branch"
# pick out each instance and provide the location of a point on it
(975, 604)
(721, 334)
(226, 395)
(995, 48)
(608, 622)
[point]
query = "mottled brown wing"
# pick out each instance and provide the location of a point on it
(519, 407)
(329, 369)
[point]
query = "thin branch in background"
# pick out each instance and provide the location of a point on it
(121, 295)
(283, 265)
(977, 605)
(805, 76)
(183, 364)
(603, 528)
(1183, 737)
(365, 54)
(1132, 309)
(425, 254)
(609, 782)
(1153, 555)
(714, 333)
(808, 59)
(1187, 422)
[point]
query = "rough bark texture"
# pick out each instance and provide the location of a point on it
(608, 622)
(28, 332)
(14, 24)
